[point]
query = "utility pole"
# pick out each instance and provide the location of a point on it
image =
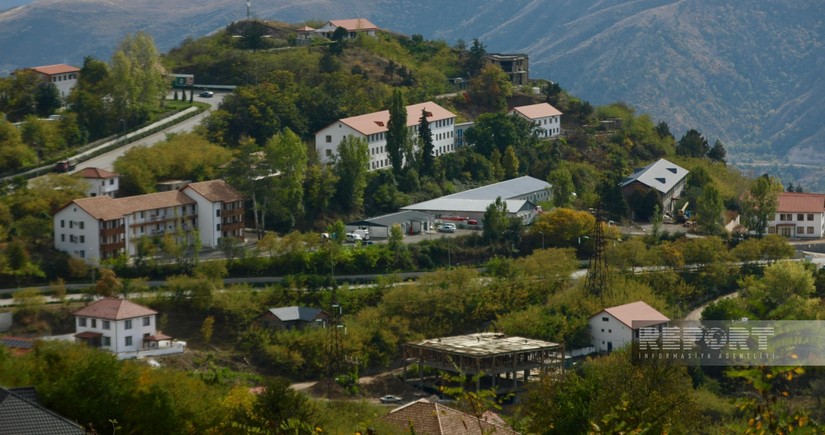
(248, 7)
(597, 273)
(332, 344)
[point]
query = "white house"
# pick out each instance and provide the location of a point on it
(354, 26)
(103, 227)
(101, 182)
(220, 210)
(799, 215)
(615, 327)
(63, 76)
(124, 328)
(372, 127)
(546, 117)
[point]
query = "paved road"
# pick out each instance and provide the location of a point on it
(106, 161)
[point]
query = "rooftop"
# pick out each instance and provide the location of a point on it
(480, 198)
(96, 173)
(60, 68)
(536, 111)
(114, 309)
(391, 219)
(21, 416)
(216, 190)
(661, 175)
(791, 202)
(354, 24)
(484, 344)
(639, 312)
(294, 313)
(376, 122)
(430, 418)
(465, 205)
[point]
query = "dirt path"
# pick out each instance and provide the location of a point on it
(697, 313)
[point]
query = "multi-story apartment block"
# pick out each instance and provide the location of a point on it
(372, 127)
(546, 117)
(103, 227)
(799, 215)
(515, 65)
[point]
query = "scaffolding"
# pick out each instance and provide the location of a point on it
(493, 360)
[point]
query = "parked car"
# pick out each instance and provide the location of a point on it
(447, 228)
(352, 238)
(390, 399)
(472, 222)
(206, 94)
(64, 166)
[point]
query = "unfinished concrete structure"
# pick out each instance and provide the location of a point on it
(503, 363)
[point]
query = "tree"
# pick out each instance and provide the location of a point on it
(692, 144)
(14, 154)
(351, 168)
(561, 185)
(425, 138)
(564, 227)
(759, 204)
(709, 208)
(475, 58)
(289, 157)
(717, 152)
(47, 98)
(491, 88)
(207, 329)
(278, 402)
(663, 130)
(397, 132)
(497, 131)
(108, 284)
(495, 221)
(510, 163)
(138, 78)
(90, 98)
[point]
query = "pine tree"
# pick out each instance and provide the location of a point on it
(397, 132)
(425, 137)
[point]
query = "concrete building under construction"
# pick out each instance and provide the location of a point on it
(503, 363)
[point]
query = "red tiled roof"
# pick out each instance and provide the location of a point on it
(376, 122)
(535, 111)
(216, 190)
(355, 24)
(60, 68)
(791, 202)
(429, 418)
(100, 207)
(639, 312)
(157, 337)
(114, 309)
(96, 173)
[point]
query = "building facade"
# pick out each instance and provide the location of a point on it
(614, 328)
(63, 76)
(546, 118)
(799, 215)
(517, 66)
(353, 26)
(121, 327)
(101, 182)
(372, 127)
(103, 227)
(667, 179)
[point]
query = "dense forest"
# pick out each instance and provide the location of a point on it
(506, 277)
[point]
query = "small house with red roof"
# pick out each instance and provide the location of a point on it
(428, 418)
(101, 182)
(63, 76)
(546, 117)
(615, 327)
(799, 215)
(372, 127)
(124, 328)
(353, 26)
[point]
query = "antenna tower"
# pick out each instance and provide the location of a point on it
(597, 274)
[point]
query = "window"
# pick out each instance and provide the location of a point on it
(329, 138)
(811, 217)
(127, 324)
(107, 341)
(62, 237)
(328, 153)
(605, 319)
(147, 321)
(62, 223)
(128, 341)
(810, 230)
(800, 217)
(218, 213)
(218, 227)
(800, 230)
(81, 321)
(82, 239)
(71, 224)
(111, 181)
(107, 324)
(94, 323)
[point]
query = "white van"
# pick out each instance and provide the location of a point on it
(352, 238)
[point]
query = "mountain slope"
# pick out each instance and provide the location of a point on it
(748, 73)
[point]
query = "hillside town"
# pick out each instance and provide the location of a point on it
(356, 231)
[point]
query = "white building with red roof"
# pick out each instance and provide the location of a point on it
(353, 26)
(103, 227)
(799, 215)
(546, 117)
(615, 327)
(101, 182)
(372, 127)
(124, 328)
(63, 76)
